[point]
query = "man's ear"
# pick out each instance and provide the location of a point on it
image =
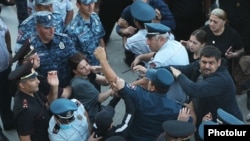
(21, 85)
(151, 86)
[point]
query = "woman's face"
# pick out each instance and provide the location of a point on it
(194, 44)
(83, 68)
(216, 24)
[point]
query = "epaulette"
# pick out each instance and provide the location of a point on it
(25, 104)
(56, 129)
(27, 19)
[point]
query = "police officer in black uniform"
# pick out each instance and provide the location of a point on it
(30, 106)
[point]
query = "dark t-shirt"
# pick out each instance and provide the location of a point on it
(227, 39)
(84, 91)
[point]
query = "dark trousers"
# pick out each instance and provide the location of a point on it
(22, 10)
(109, 14)
(5, 99)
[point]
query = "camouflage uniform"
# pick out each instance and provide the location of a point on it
(28, 28)
(55, 57)
(86, 35)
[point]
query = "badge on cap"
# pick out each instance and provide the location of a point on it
(61, 45)
(68, 114)
(79, 117)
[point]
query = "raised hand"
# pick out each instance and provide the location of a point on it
(53, 78)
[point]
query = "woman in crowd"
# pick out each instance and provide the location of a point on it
(221, 35)
(196, 42)
(82, 85)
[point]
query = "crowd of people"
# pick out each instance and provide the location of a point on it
(186, 67)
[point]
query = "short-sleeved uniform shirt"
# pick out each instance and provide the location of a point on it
(137, 43)
(59, 6)
(171, 53)
(55, 56)
(77, 132)
(31, 116)
(27, 28)
(86, 35)
(62, 7)
(153, 108)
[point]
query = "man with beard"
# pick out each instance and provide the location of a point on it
(208, 81)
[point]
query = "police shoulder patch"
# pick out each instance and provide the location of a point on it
(131, 86)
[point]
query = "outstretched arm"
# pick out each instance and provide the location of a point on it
(108, 72)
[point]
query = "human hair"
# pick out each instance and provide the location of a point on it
(219, 13)
(141, 23)
(76, 59)
(200, 35)
(211, 51)
(165, 35)
(159, 89)
(79, 2)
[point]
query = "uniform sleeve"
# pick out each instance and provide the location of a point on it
(134, 92)
(69, 5)
(123, 128)
(167, 15)
(24, 123)
(22, 36)
(113, 102)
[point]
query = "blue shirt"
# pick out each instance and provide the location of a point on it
(154, 108)
(171, 53)
(4, 54)
(27, 28)
(55, 57)
(77, 132)
(86, 35)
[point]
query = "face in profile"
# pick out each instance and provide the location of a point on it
(208, 65)
(154, 43)
(194, 44)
